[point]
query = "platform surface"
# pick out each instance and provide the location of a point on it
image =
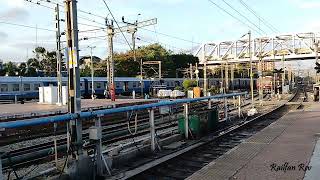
(282, 150)
(12, 109)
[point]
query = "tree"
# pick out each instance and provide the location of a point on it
(126, 66)
(10, 68)
(188, 84)
(40, 53)
(182, 61)
(86, 72)
(22, 69)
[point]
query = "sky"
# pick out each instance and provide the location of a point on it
(187, 22)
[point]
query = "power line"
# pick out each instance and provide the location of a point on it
(233, 16)
(153, 42)
(243, 16)
(117, 24)
(174, 37)
(80, 17)
(267, 24)
(27, 26)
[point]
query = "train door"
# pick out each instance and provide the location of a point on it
(125, 86)
(86, 87)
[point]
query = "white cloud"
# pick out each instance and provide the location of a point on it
(14, 14)
(306, 4)
(3, 36)
(15, 3)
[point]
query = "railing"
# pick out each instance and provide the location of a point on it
(100, 113)
(68, 117)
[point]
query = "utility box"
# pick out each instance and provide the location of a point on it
(194, 124)
(95, 133)
(50, 94)
(196, 92)
(64, 95)
(41, 95)
(190, 94)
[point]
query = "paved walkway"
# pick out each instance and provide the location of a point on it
(281, 151)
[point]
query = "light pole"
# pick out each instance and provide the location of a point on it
(92, 72)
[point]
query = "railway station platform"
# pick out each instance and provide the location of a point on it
(35, 108)
(287, 149)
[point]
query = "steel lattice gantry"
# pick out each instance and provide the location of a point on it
(296, 46)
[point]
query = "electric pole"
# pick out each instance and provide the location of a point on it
(316, 46)
(92, 72)
(58, 55)
(111, 31)
(283, 75)
(110, 34)
(74, 99)
(191, 71)
(133, 31)
(251, 71)
(227, 77)
(205, 80)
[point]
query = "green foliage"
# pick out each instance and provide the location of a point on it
(188, 84)
(10, 68)
(214, 90)
(86, 72)
(178, 88)
(170, 63)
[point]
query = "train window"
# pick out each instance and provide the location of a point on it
(98, 85)
(4, 87)
(117, 85)
(65, 84)
(81, 84)
(133, 84)
(90, 87)
(26, 87)
(15, 87)
(36, 87)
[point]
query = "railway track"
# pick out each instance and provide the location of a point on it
(113, 131)
(24, 157)
(189, 161)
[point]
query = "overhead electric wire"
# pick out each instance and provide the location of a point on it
(61, 11)
(117, 24)
(267, 24)
(244, 16)
(79, 10)
(80, 17)
(230, 14)
(169, 36)
(153, 42)
(27, 26)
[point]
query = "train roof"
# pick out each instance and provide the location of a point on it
(8, 79)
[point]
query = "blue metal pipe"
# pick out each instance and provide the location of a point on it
(67, 117)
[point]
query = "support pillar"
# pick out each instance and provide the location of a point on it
(186, 120)
(209, 104)
(239, 106)
(225, 108)
(74, 101)
(99, 148)
(283, 75)
(1, 174)
(152, 130)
